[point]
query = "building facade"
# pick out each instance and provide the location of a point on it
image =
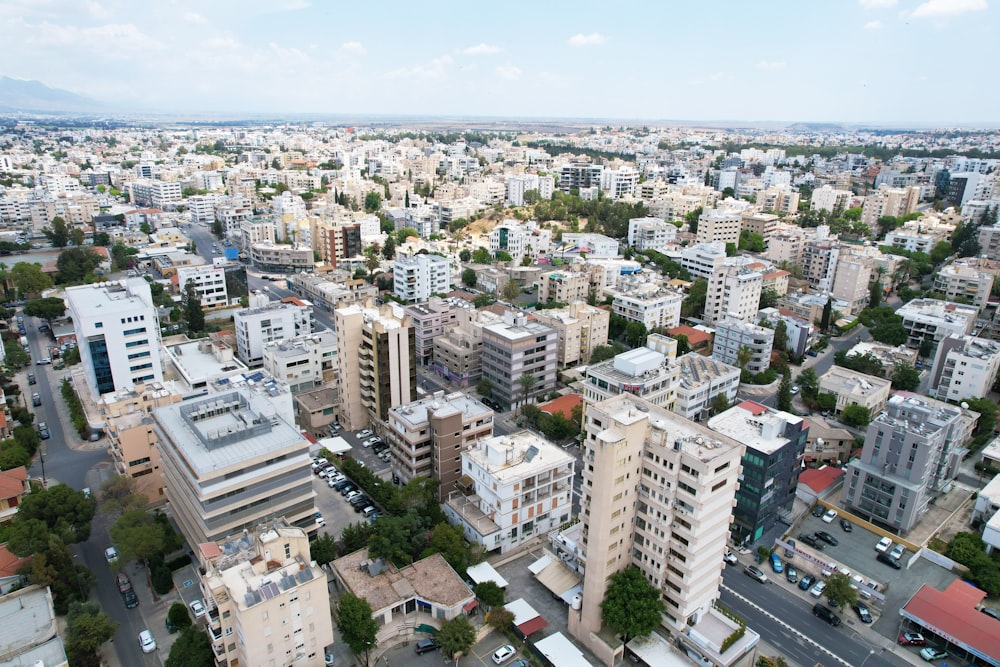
(733, 335)
(266, 321)
(516, 348)
(701, 381)
(964, 367)
(417, 278)
(580, 328)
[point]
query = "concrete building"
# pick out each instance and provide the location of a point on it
(651, 303)
(989, 242)
(775, 442)
(888, 355)
(721, 224)
(520, 240)
(964, 367)
(265, 321)
(850, 283)
(118, 333)
(934, 320)
(563, 287)
(331, 293)
(785, 246)
(302, 362)
(316, 409)
(591, 245)
(778, 199)
(853, 388)
(703, 260)
(515, 348)
(427, 437)
(282, 258)
(265, 596)
(579, 175)
(458, 351)
(650, 234)
(733, 292)
(827, 444)
(888, 201)
(516, 487)
(430, 320)
(416, 278)
(580, 328)
(209, 284)
(646, 468)
(644, 372)
(229, 462)
(702, 379)
(826, 198)
(30, 632)
(910, 456)
(962, 281)
(376, 355)
(819, 263)
(798, 331)
(731, 335)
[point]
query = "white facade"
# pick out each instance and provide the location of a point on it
(617, 183)
(701, 380)
(733, 291)
(851, 280)
(722, 224)
(518, 240)
(416, 278)
(118, 334)
(642, 372)
(831, 199)
(650, 234)
(594, 245)
(934, 319)
(703, 260)
(966, 282)
(649, 303)
(964, 367)
(265, 321)
(731, 335)
(209, 284)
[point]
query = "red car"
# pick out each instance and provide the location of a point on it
(912, 639)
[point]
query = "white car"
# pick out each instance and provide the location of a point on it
(352, 495)
(146, 641)
(817, 590)
(365, 434)
(883, 545)
(111, 554)
(197, 608)
(320, 521)
(503, 654)
(829, 516)
(897, 551)
(371, 441)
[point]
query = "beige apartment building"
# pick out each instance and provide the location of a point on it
(515, 348)
(376, 355)
(563, 286)
(850, 283)
(266, 599)
(658, 493)
(580, 327)
(458, 351)
(427, 437)
(230, 461)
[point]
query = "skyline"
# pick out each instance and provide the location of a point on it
(875, 61)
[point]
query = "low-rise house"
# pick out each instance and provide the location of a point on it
(853, 388)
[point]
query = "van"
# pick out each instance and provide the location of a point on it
(823, 612)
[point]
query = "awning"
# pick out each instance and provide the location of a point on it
(532, 626)
(557, 577)
(469, 606)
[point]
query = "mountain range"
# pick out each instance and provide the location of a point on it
(35, 96)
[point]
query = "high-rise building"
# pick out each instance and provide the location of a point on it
(851, 280)
(209, 282)
(265, 598)
(118, 334)
(517, 348)
(775, 442)
(229, 462)
(964, 281)
(427, 437)
(416, 278)
(819, 263)
(910, 456)
(563, 287)
(888, 201)
(658, 493)
(702, 260)
(432, 319)
(733, 291)
(265, 321)
(830, 199)
(376, 353)
(579, 175)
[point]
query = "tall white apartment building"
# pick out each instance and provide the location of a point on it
(518, 185)
(563, 287)
(157, 194)
(522, 487)
(658, 493)
(830, 199)
(416, 278)
(733, 291)
(721, 224)
(889, 201)
(265, 596)
(265, 321)
(778, 199)
(703, 260)
(819, 263)
(964, 281)
(288, 208)
(209, 284)
(964, 367)
(201, 208)
(731, 335)
(118, 334)
(850, 283)
(618, 183)
(650, 234)
(785, 246)
(520, 239)
(648, 302)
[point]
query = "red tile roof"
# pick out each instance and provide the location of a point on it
(819, 479)
(10, 563)
(695, 336)
(563, 405)
(754, 408)
(952, 614)
(12, 482)
(532, 626)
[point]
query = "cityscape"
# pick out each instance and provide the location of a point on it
(302, 374)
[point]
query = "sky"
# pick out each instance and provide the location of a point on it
(853, 61)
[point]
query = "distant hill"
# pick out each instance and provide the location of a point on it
(21, 95)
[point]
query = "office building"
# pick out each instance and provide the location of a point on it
(376, 354)
(853, 388)
(645, 372)
(658, 493)
(775, 442)
(433, 319)
(580, 175)
(701, 381)
(514, 488)
(580, 328)
(934, 320)
(266, 599)
(229, 462)
(720, 224)
(458, 351)
(418, 277)
(964, 367)
(733, 292)
(650, 234)
(118, 333)
(516, 348)
(302, 362)
(427, 437)
(732, 335)
(910, 456)
(265, 321)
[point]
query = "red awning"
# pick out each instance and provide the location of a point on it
(532, 626)
(469, 606)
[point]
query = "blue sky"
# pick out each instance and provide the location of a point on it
(880, 61)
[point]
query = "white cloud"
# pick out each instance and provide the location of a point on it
(122, 36)
(771, 64)
(717, 76)
(873, 25)
(96, 10)
(482, 49)
(354, 47)
(593, 39)
(222, 42)
(195, 17)
(877, 4)
(437, 69)
(509, 72)
(936, 9)
(288, 53)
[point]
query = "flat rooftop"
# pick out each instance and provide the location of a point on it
(696, 370)
(125, 297)
(761, 430)
(430, 579)
(510, 458)
(28, 620)
(416, 413)
(844, 380)
(197, 363)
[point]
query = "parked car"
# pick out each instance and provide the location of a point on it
(776, 565)
(795, 389)
(348, 489)
(789, 550)
(883, 545)
(31, 378)
(123, 583)
(730, 558)
(889, 560)
(111, 554)
(131, 599)
(790, 574)
(371, 441)
(320, 521)
(824, 613)
(863, 613)
(319, 463)
(755, 573)
(339, 486)
(364, 434)
(197, 608)
(44, 434)
(503, 654)
(930, 654)
(350, 495)
(368, 511)
(829, 516)
(817, 511)
(425, 646)
(36, 399)
(811, 540)
(846, 525)
(992, 613)
(806, 582)
(817, 589)
(912, 639)
(827, 537)
(897, 551)
(146, 641)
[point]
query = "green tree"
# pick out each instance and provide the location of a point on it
(405, 233)
(58, 234)
(324, 549)
(76, 265)
(780, 337)
(731, 250)
(87, 628)
(808, 383)
(456, 636)
(481, 256)
(484, 388)
(743, 356)
(392, 540)
(76, 236)
(967, 549)
(64, 510)
(767, 661)
(137, 536)
(373, 202)
(14, 355)
(482, 300)
(511, 290)
(465, 255)
(785, 391)
(632, 607)
(118, 496)
(683, 346)
(102, 239)
(720, 403)
(48, 309)
(191, 649)
(527, 382)
(499, 618)
(503, 256)
(121, 256)
(489, 594)
(856, 415)
(890, 334)
(840, 591)
(389, 249)
(469, 277)
(193, 314)
(692, 218)
(635, 334)
(824, 322)
(29, 279)
(926, 347)
(449, 541)
(905, 377)
(357, 627)
(940, 252)
(178, 616)
(768, 298)
(694, 303)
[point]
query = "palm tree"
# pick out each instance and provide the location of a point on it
(743, 356)
(527, 382)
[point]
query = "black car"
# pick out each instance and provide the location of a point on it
(425, 646)
(889, 560)
(826, 614)
(791, 575)
(131, 600)
(818, 511)
(806, 582)
(341, 485)
(811, 541)
(827, 537)
(862, 611)
(846, 525)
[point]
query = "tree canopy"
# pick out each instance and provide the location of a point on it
(357, 627)
(191, 649)
(64, 510)
(77, 265)
(631, 605)
(29, 279)
(49, 308)
(456, 636)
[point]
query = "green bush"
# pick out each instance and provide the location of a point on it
(179, 562)
(163, 581)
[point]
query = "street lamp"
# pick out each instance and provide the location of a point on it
(41, 459)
